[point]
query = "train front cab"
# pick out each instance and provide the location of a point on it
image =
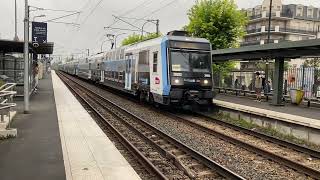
(188, 74)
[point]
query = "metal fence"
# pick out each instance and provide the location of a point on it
(7, 92)
(12, 71)
(307, 79)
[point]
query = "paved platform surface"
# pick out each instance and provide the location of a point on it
(36, 153)
(87, 151)
(291, 113)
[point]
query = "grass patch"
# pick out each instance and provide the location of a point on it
(266, 130)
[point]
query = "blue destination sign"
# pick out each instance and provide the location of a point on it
(39, 33)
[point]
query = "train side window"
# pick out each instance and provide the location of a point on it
(144, 58)
(122, 54)
(155, 62)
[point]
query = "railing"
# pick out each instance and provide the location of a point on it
(307, 79)
(250, 43)
(250, 31)
(286, 14)
(17, 76)
(297, 30)
(273, 14)
(284, 29)
(258, 42)
(255, 16)
(7, 92)
(273, 28)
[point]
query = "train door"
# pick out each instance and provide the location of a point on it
(128, 74)
(144, 69)
(89, 71)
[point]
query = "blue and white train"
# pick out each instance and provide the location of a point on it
(170, 70)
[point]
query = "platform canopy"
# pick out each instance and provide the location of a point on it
(9, 46)
(287, 49)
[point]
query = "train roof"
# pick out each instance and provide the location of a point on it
(187, 39)
(145, 44)
(164, 38)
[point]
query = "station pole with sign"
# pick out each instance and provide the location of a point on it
(39, 36)
(26, 58)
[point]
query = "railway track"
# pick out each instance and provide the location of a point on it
(250, 147)
(153, 147)
(310, 172)
(296, 147)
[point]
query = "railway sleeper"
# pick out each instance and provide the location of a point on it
(190, 173)
(177, 152)
(185, 157)
(161, 142)
(206, 174)
(167, 146)
(195, 165)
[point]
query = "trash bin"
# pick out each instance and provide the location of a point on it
(296, 96)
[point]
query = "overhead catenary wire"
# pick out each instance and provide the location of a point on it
(160, 8)
(130, 11)
(153, 12)
(67, 23)
(128, 23)
(123, 29)
(84, 6)
(143, 3)
(91, 12)
(64, 16)
(56, 10)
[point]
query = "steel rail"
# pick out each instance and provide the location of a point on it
(287, 162)
(296, 147)
(195, 154)
(124, 141)
(280, 142)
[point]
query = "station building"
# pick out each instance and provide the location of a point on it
(290, 22)
(12, 62)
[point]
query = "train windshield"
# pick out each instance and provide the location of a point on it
(184, 61)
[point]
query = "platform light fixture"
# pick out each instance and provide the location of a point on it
(42, 15)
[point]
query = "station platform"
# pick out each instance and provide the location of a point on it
(36, 153)
(300, 115)
(59, 140)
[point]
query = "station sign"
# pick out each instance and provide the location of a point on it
(39, 33)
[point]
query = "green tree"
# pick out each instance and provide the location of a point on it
(221, 23)
(135, 38)
(314, 62)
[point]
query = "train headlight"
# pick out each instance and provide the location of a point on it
(206, 82)
(177, 81)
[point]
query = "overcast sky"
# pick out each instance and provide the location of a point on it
(69, 39)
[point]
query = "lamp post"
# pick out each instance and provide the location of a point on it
(111, 38)
(103, 43)
(114, 38)
(269, 32)
(88, 52)
(42, 15)
(269, 21)
(157, 26)
(26, 58)
(16, 38)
